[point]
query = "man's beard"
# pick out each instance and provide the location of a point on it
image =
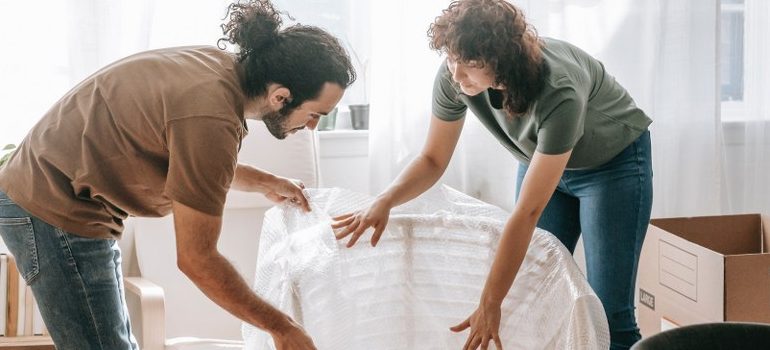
(276, 122)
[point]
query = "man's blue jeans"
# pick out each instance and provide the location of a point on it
(610, 205)
(76, 281)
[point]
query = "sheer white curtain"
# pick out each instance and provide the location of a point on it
(663, 52)
(401, 77)
(403, 69)
(687, 133)
(747, 145)
(50, 46)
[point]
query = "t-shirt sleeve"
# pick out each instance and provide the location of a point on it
(562, 127)
(203, 154)
(446, 99)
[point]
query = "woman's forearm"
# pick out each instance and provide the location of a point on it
(511, 250)
(416, 178)
(536, 190)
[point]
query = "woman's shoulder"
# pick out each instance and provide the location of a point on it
(567, 68)
(550, 43)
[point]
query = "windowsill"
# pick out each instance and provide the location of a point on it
(343, 134)
(343, 143)
(735, 130)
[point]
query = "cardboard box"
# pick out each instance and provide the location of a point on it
(704, 269)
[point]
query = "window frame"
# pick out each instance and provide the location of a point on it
(733, 110)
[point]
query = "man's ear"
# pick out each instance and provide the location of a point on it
(278, 96)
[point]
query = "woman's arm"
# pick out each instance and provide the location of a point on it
(421, 173)
(542, 177)
(425, 169)
(539, 184)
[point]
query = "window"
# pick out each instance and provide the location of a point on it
(731, 50)
(731, 59)
(348, 20)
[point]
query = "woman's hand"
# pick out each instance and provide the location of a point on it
(484, 324)
(281, 189)
(375, 216)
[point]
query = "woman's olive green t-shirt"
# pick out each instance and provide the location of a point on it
(581, 108)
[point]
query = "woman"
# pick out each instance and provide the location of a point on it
(583, 146)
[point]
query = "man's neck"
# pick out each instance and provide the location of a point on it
(255, 108)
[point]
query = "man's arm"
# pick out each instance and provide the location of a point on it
(251, 179)
(276, 188)
(197, 234)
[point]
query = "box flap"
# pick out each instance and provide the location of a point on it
(727, 234)
(747, 288)
(766, 233)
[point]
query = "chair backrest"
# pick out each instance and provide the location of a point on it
(425, 275)
(188, 311)
(710, 336)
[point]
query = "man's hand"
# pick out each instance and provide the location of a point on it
(293, 338)
(281, 189)
(276, 188)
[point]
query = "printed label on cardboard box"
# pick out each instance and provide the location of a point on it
(646, 299)
(678, 270)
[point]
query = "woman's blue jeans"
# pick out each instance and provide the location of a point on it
(610, 206)
(76, 281)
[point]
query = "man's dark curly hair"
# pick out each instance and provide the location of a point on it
(302, 58)
(496, 34)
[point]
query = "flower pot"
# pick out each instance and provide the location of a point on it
(359, 116)
(328, 121)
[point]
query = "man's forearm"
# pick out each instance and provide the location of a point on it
(250, 179)
(221, 283)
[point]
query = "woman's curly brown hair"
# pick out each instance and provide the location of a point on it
(495, 33)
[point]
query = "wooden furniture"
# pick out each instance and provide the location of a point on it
(26, 343)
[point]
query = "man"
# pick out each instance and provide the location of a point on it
(152, 134)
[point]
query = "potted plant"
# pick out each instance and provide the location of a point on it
(359, 116)
(359, 113)
(6, 152)
(327, 122)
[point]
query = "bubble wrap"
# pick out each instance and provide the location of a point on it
(425, 275)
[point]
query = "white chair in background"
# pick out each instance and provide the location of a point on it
(167, 310)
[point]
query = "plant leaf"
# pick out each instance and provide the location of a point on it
(5, 158)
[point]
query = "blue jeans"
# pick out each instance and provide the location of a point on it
(610, 205)
(76, 281)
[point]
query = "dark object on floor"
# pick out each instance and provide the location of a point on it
(710, 336)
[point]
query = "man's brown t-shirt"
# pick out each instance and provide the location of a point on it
(154, 127)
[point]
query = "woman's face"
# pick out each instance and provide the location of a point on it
(473, 76)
